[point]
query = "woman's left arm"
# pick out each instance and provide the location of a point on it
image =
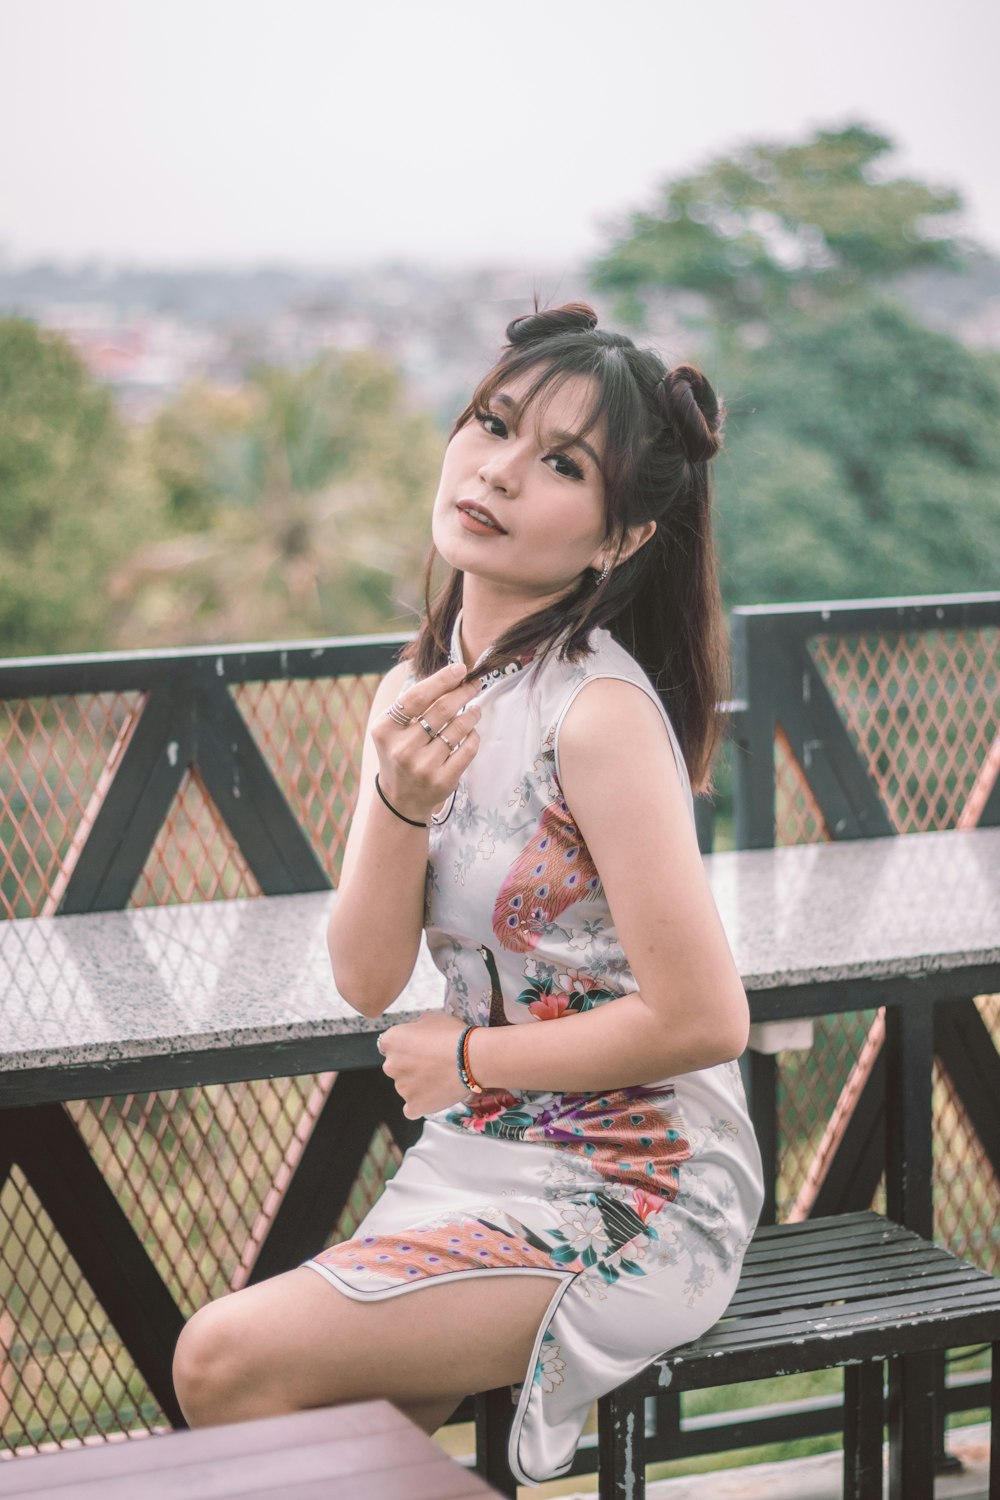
(690, 1011)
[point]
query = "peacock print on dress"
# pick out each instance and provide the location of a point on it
(552, 873)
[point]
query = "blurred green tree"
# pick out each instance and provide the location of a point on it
(299, 506)
(862, 459)
(775, 228)
(72, 500)
(863, 455)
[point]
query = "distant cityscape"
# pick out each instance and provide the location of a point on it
(147, 333)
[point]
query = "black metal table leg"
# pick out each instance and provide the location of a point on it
(863, 1424)
(909, 1130)
(494, 1415)
(621, 1445)
(994, 1489)
(911, 1435)
(760, 1076)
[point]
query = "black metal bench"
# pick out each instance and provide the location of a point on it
(853, 1291)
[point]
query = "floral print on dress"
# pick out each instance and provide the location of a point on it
(550, 1365)
(550, 996)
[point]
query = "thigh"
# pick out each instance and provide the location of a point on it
(302, 1336)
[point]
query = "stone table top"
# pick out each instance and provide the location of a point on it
(214, 977)
(910, 905)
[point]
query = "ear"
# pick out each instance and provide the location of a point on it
(636, 537)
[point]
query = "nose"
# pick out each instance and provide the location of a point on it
(501, 470)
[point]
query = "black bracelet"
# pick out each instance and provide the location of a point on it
(412, 821)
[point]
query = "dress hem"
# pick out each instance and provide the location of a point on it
(565, 1280)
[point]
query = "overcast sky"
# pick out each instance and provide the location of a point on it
(318, 131)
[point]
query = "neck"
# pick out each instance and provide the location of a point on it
(488, 612)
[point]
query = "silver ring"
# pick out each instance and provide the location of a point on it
(378, 1044)
(451, 748)
(431, 734)
(397, 713)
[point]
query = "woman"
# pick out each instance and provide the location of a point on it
(583, 1190)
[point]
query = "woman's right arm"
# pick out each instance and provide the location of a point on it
(378, 916)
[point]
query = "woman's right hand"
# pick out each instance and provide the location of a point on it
(417, 772)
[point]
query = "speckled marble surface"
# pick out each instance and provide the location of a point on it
(867, 908)
(146, 983)
(119, 985)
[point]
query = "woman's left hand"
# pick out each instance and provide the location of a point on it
(420, 1058)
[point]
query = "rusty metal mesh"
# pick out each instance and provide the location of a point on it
(195, 857)
(923, 712)
(198, 1172)
(967, 1196)
(797, 813)
(57, 759)
(311, 733)
(64, 1373)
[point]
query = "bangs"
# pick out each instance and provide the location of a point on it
(548, 381)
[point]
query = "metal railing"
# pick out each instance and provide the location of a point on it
(211, 773)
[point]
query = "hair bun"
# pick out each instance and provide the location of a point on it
(531, 328)
(694, 412)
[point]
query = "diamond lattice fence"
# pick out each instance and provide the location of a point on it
(310, 733)
(198, 1172)
(64, 1374)
(923, 713)
(57, 759)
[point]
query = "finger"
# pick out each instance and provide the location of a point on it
(418, 697)
(434, 724)
(462, 756)
(450, 706)
(461, 725)
(458, 729)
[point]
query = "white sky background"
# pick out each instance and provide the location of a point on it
(179, 132)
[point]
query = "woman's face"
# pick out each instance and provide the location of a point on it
(540, 484)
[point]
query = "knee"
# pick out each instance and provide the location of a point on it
(214, 1379)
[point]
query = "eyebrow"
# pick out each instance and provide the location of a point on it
(559, 439)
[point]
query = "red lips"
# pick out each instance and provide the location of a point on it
(484, 510)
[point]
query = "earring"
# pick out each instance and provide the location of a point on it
(602, 575)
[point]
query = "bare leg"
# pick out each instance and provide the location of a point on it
(430, 1415)
(296, 1341)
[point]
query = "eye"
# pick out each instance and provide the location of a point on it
(564, 466)
(492, 424)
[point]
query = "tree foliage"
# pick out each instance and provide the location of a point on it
(299, 503)
(72, 501)
(779, 226)
(862, 449)
(863, 459)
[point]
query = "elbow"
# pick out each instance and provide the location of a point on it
(357, 991)
(716, 1037)
(732, 1041)
(731, 1032)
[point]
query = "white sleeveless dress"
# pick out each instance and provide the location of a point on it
(638, 1203)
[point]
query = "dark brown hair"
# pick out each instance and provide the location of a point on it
(660, 428)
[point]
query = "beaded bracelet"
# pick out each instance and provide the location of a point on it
(464, 1073)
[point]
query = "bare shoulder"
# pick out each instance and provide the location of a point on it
(609, 723)
(617, 767)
